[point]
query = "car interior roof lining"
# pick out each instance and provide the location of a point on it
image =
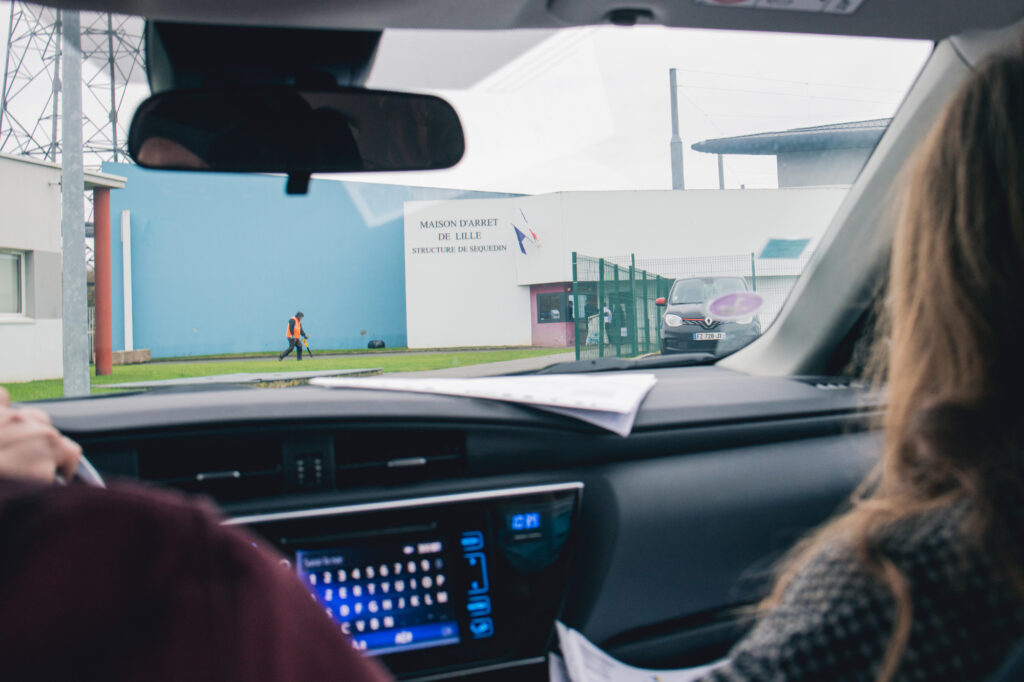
(885, 18)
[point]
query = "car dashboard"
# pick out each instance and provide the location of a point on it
(447, 534)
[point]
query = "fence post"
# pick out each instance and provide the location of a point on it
(753, 272)
(600, 307)
(576, 308)
(617, 332)
(647, 317)
(634, 328)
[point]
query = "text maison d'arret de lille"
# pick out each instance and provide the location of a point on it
(460, 236)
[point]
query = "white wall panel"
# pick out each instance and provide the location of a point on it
(30, 350)
(466, 278)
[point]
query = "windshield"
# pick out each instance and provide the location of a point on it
(606, 168)
(704, 290)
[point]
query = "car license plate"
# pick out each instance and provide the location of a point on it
(708, 336)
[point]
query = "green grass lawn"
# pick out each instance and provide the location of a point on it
(392, 362)
(342, 351)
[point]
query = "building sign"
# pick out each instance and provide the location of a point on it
(446, 236)
(784, 248)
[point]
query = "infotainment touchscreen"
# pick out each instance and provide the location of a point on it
(387, 597)
(446, 583)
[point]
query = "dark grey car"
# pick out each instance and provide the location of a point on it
(685, 326)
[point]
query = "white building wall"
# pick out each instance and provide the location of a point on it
(673, 224)
(821, 168)
(31, 350)
(30, 191)
(30, 344)
(458, 296)
(460, 276)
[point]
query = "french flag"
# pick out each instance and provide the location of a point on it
(533, 235)
(522, 236)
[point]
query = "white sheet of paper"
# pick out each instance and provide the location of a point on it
(556, 669)
(586, 662)
(621, 424)
(610, 401)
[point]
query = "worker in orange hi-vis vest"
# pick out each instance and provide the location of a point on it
(295, 336)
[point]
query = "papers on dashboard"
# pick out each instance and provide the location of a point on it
(610, 401)
(583, 661)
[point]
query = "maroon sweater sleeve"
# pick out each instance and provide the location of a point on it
(131, 584)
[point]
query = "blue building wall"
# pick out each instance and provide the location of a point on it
(220, 262)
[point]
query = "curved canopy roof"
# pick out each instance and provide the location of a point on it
(853, 135)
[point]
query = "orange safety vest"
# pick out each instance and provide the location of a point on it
(298, 329)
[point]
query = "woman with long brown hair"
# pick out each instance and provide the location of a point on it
(923, 577)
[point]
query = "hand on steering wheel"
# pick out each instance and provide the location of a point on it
(30, 447)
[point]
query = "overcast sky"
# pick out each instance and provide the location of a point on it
(588, 108)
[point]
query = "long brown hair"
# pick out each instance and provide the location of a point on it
(950, 346)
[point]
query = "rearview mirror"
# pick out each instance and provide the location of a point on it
(295, 131)
(659, 301)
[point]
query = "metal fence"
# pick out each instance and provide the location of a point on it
(616, 314)
(617, 295)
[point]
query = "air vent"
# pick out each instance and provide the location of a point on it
(827, 383)
(227, 467)
(372, 457)
(831, 385)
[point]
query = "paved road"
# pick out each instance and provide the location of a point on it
(317, 354)
(247, 378)
(492, 368)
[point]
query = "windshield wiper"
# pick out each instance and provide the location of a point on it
(619, 364)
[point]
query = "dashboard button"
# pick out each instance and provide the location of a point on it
(479, 605)
(481, 628)
(477, 573)
(472, 541)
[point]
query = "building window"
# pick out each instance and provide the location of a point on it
(554, 308)
(12, 283)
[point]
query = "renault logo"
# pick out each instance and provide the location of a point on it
(708, 321)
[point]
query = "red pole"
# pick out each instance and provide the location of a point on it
(101, 250)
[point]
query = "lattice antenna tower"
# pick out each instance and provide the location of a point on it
(30, 102)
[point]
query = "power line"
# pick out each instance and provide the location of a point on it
(701, 110)
(795, 82)
(786, 94)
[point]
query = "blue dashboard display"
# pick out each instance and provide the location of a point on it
(478, 604)
(386, 598)
(524, 521)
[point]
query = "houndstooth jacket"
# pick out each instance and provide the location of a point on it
(834, 620)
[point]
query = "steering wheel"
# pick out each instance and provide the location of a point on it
(85, 473)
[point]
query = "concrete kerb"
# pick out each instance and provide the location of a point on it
(258, 378)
